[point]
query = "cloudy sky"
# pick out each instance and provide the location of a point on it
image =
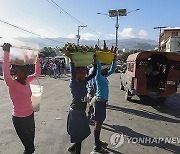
(61, 18)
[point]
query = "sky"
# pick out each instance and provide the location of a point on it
(62, 18)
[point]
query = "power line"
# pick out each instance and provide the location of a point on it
(66, 12)
(27, 31)
(14, 26)
(69, 15)
(63, 11)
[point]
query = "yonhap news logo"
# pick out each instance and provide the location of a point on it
(118, 140)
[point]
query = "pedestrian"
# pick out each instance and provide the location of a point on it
(100, 102)
(59, 68)
(45, 68)
(50, 67)
(20, 94)
(77, 122)
(63, 67)
(90, 95)
(55, 69)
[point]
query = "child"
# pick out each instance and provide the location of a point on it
(90, 95)
(77, 122)
(20, 94)
(100, 102)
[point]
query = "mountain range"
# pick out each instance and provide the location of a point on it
(131, 44)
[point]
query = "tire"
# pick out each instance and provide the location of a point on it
(161, 100)
(128, 95)
(143, 98)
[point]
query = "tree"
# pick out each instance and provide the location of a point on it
(47, 51)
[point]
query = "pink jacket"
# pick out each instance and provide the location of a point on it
(20, 94)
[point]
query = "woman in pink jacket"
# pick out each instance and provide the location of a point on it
(20, 94)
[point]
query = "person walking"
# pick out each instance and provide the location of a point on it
(55, 69)
(100, 102)
(77, 122)
(90, 96)
(63, 69)
(20, 94)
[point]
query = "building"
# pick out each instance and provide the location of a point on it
(125, 50)
(170, 40)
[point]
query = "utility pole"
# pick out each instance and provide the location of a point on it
(159, 43)
(78, 36)
(117, 27)
(117, 13)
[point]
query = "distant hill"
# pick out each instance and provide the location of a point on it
(134, 43)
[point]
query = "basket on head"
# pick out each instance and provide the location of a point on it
(82, 59)
(105, 57)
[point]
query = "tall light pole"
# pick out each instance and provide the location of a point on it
(78, 36)
(117, 13)
(159, 43)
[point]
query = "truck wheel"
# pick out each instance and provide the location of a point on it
(128, 95)
(161, 100)
(143, 98)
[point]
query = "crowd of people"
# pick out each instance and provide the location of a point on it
(53, 67)
(90, 89)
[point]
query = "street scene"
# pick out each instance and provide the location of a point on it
(89, 77)
(132, 119)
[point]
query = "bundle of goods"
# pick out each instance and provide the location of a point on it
(22, 53)
(81, 55)
(105, 55)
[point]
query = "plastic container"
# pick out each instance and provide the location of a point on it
(21, 52)
(66, 59)
(82, 59)
(37, 91)
(105, 57)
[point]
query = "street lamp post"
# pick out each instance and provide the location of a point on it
(78, 36)
(159, 43)
(117, 27)
(117, 13)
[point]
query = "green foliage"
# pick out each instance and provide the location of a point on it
(72, 47)
(47, 51)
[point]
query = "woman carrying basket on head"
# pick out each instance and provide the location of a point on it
(20, 94)
(77, 122)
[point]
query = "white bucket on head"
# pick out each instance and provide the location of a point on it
(37, 91)
(21, 52)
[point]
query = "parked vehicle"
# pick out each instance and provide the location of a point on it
(151, 75)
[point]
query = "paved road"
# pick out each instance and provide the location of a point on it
(132, 119)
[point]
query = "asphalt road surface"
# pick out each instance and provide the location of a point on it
(130, 127)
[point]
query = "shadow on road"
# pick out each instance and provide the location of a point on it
(168, 110)
(113, 151)
(129, 133)
(171, 106)
(143, 113)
